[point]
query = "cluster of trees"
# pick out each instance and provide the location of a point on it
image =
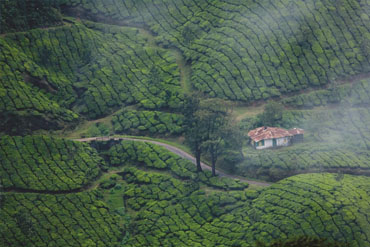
(80, 219)
(152, 122)
(209, 128)
(46, 164)
(239, 53)
(156, 157)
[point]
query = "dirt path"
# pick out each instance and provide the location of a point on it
(174, 150)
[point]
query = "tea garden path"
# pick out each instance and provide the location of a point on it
(174, 150)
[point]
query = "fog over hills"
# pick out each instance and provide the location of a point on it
(125, 122)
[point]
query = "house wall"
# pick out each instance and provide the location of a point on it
(297, 138)
(283, 142)
(268, 144)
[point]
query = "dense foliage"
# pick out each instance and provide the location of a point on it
(80, 219)
(167, 203)
(149, 122)
(21, 15)
(174, 212)
(91, 69)
(132, 61)
(41, 163)
(317, 205)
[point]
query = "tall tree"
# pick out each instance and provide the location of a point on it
(272, 114)
(194, 133)
(214, 115)
(208, 127)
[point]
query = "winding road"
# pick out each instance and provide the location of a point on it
(174, 150)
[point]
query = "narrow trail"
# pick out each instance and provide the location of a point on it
(174, 150)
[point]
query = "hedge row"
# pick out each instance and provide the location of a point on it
(46, 164)
(278, 164)
(153, 122)
(356, 94)
(158, 158)
(80, 219)
(330, 206)
(248, 50)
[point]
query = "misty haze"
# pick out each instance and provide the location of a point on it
(184, 123)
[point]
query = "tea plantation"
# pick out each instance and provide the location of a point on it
(73, 69)
(88, 68)
(41, 163)
(58, 220)
(335, 140)
(152, 122)
(252, 50)
(167, 203)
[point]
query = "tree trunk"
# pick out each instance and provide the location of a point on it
(197, 159)
(213, 167)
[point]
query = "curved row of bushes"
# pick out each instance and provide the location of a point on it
(46, 164)
(248, 50)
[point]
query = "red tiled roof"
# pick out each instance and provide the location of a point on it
(296, 131)
(263, 133)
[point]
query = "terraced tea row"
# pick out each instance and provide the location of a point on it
(158, 158)
(80, 219)
(170, 204)
(315, 204)
(170, 212)
(357, 94)
(42, 163)
(89, 68)
(153, 122)
(248, 50)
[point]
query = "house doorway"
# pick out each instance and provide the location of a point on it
(274, 143)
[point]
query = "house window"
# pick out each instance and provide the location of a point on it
(262, 143)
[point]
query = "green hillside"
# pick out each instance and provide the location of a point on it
(155, 198)
(251, 50)
(105, 104)
(41, 163)
(88, 68)
(59, 220)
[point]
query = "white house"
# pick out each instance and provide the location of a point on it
(269, 137)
